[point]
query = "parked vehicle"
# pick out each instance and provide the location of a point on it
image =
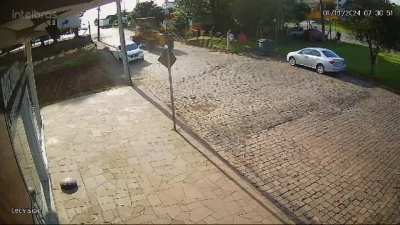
(296, 32)
(321, 59)
(313, 35)
(133, 50)
(105, 23)
(148, 32)
(69, 24)
(61, 27)
(124, 21)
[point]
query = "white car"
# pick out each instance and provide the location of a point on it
(321, 59)
(133, 51)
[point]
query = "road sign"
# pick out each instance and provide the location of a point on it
(163, 59)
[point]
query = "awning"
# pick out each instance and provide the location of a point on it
(21, 19)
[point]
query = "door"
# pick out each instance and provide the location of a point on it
(305, 57)
(314, 58)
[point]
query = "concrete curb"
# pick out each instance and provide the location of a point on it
(207, 151)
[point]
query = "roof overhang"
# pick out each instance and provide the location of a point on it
(21, 20)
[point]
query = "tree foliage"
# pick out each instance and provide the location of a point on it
(244, 15)
(181, 23)
(267, 15)
(148, 9)
(379, 31)
(299, 11)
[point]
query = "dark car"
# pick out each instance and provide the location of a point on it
(313, 35)
(296, 32)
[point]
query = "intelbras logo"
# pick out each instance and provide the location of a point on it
(33, 14)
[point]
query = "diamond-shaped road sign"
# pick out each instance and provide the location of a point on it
(163, 59)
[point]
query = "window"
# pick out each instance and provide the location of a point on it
(306, 51)
(329, 54)
(315, 53)
(131, 47)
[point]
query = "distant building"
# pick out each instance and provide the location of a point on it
(315, 3)
(311, 3)
(168, 4)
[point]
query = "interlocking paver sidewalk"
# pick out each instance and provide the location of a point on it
(132, 168)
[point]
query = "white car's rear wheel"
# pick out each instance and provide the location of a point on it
(320, 69)
(292, 61)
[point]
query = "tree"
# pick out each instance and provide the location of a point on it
(246, 15)
(380, 31)
(253, 17)
(194, 9)
(148, 9)
(181, 22)
(221, 13)
(298, 11)
(321, 9)
(269, 16)
(214, 14)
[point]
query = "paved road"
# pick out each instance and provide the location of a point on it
(111, 35)
(325, 148)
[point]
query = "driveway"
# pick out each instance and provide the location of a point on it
(132, 168)
(325, 148)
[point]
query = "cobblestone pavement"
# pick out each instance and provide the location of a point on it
(325, 148)
(133, 169)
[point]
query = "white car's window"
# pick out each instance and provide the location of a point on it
(306, 51)
(315, 53)
(329, 54)
(131, 47)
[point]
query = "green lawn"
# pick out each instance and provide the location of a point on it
(220, 44)
(341, 28)
(357, 58)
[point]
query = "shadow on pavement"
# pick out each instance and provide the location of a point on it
(158, 51)
(343, 76)
(135, 67)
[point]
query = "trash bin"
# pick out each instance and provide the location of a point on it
(264, 47)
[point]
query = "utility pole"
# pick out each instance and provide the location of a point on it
(122, 40)
(227, 40)
(31, 81)
(171, 90)
(98, 23)
(275, 28)
(90, 32)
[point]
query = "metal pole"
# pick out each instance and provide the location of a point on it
(171, 90)
(32, 83)
(227, 40)
(90, 32)
(122, 40)
(98, 23)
